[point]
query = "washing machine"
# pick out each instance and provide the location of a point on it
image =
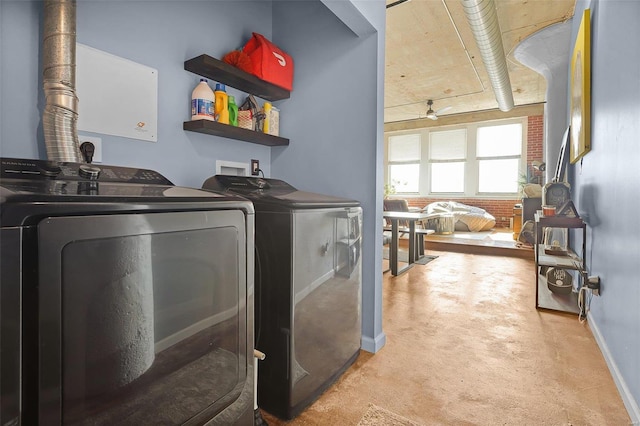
(308, 277)
(124, 299)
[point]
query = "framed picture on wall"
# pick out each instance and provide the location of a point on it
(581, 91)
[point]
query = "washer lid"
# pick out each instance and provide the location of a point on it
(30, 188)
(274, 192)
(38, 170)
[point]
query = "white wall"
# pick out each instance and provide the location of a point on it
(548, 52)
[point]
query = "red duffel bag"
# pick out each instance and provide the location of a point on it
(268, 62)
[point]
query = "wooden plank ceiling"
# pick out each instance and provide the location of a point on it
(431, 54)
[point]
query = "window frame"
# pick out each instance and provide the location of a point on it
(523, 152)
(464, 160)
(472, 161)
(417, 162)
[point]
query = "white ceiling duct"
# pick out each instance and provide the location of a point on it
(483, 20)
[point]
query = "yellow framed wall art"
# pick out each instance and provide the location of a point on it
(581, 91)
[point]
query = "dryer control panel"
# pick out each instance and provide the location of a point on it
(247, 184)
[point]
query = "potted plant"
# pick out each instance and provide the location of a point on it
(389, 189)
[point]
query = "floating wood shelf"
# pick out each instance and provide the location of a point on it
(224, 73)
(216, 70)
(227, 131)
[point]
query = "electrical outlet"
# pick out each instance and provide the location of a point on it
(593, 282)
(255, 167)
(97, 143)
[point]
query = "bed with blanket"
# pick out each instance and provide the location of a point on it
(466, 218)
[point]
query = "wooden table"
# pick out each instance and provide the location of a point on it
(411, 218)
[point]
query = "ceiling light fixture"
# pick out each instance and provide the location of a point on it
(430, 112)
(433, 115)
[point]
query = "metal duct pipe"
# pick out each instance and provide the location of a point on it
(483, 20)
(60, 116)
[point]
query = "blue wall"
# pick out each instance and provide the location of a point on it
(333, 118)
(19, 79)
(337, 99)
(606, 191)
(178, 31)
(158, 34)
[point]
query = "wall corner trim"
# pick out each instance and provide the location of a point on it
(373, 345)
(349, 14)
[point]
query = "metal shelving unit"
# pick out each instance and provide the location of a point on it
(545, 298)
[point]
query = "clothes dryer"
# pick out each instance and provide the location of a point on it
(308, 288)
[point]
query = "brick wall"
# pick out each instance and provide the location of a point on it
(501, 208)
(535, 146)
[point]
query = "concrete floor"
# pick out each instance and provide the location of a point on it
(466, 346)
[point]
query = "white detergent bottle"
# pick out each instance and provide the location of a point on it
(202, 101)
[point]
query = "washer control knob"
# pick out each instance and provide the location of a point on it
(89, 172)
(49, 168)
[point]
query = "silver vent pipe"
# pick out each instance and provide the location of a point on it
(483, 20)
(60, 116)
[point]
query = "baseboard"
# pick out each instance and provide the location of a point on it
(373, 345)
(627, 398)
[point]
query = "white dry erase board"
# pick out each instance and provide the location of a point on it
(116, 96)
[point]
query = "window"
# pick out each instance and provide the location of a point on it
(483, 159)
(404, 163)
(498, 152)
(447, 156)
